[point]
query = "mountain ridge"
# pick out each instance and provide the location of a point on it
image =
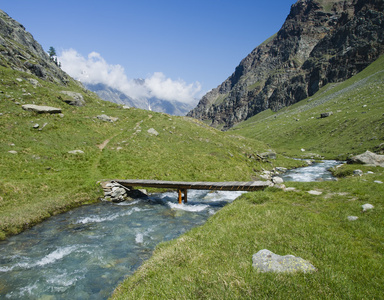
(320, 42)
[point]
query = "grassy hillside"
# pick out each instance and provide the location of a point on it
(356, 125)
(42, 178)
(214, 261)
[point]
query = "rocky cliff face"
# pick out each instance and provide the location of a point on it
(20, 51)
(321, 41)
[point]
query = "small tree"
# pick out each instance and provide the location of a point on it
(51, 52)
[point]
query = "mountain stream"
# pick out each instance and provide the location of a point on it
(84, 253)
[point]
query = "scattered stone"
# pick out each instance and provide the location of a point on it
(76, 152)
(12, 152)
(302, 150)
(358, 172)
(366, 207)
(267, 261)
(1, 114)
(36, 126)
(42, 127)
(316, 193)
(268, 155)
(290, 189)
(378, 181)
(152, 131)
(352, 218)
(280, 186)
(370, 172)
(106, 118)
(368, 158)
(277, 180)
(119, 148)
(73, 98)
(34, 82)
(19, 79)
(126, 107)
(41, 109)
(326, 114)
(281, 169)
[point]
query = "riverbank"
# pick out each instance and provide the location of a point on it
(214, 261)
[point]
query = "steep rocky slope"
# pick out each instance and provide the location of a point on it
(321, 41)
(20, 51)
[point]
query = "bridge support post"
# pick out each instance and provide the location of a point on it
(181, 197)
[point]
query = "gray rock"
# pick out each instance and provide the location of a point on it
(41, 109)
(326, 114)
(378, 181)
(106, 118)
(73, 98)
(34, 82)
(267, 261)
(277, 180)
(358, 172)
(36, 126)
(269, 154)
(12, 152)
(352, 218)
(76, 152)
(316, 193)
(367, 207)
(152, 131)
(290, 189)
(368, 158)
(117, 192)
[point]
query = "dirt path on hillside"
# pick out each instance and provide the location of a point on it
(103, 144)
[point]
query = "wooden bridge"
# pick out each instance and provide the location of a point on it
(182, 186)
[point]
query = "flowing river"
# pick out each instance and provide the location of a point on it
(84, 253)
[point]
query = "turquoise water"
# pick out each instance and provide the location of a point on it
(84, 253)
(314, 172)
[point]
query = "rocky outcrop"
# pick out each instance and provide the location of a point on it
(115, 192)
(41, 109)
(321, 41)
(267, 261)
(20, 51)
(72, 98)
(368, 158)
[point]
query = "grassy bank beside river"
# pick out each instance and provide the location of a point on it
(214, 261)
(39, 177)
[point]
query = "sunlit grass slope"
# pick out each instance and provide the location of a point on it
(214, 261)
(43, 178)
(356, 125)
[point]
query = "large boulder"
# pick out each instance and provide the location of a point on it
(267, 261)
(368, 158)
(73, 98)
(41, 109)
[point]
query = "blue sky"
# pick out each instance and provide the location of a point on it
(195, 43)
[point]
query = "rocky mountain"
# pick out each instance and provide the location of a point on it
(20, 51)
(108, 93)
(321, 41)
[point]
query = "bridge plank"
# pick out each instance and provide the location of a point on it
(225, 186)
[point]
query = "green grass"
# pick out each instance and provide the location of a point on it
(214, 261)
(357, 123)
(43, 179)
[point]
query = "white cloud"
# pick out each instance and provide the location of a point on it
(94, 69)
